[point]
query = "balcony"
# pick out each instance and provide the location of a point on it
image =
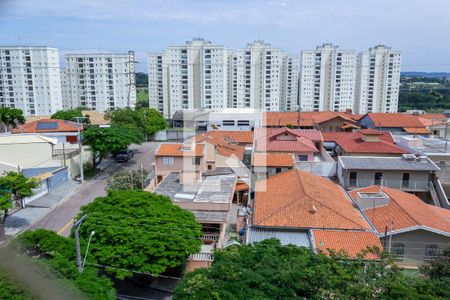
(405, 185)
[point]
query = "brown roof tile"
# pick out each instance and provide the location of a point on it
(176, 150)
(39, 126)
(272, 159)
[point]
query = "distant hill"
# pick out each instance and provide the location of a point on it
(426, 74)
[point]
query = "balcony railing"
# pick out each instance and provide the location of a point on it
(416, 185)
(202, 257)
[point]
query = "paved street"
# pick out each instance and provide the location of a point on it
(61, 218)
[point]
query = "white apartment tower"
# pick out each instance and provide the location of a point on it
(327, 79)
(30, 79)
(378, 80)
(191, 76)
(263, 77)
(99, 81)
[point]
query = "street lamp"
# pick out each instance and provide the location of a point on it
(87, 250)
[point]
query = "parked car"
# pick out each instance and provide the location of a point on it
(124, 155)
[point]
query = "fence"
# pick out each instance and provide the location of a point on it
(412, 185)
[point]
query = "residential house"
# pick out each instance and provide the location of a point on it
(306, 210)
(408, 173)
(268, 164)
(63, 131)
(438, 124)
(176, 157)
(411, 230)
(396, 123)
(366, 142)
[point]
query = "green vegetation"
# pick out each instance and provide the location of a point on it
(141, 79)
(268, 270)
(126, 180)
(104, 140)
(142, 98)
(68, 115)
(148, 121)
(18, 186)
(429, 94)
(57, 254)
(139, 231)
(11, 290)
(11, 117)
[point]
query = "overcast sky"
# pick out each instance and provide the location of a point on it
(420, 29)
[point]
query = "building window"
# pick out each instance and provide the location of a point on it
(398, 249)
(210, 167)
(168, 161)
(302, 157)
(196, 161)
(278, 170)
(353, 178)
(378, 178)
(431, 251)
(405, 180)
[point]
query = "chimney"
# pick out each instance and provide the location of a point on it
(370, 135)
(371, 200)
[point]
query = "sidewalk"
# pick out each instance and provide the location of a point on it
(37, 209)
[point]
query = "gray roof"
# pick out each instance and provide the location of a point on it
(210, 216)
(298, 238)
(386, 163)
(212, 189)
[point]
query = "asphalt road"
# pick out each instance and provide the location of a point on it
(61, 218)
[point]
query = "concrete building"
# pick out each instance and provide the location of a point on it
(99, 81)
(378, 80)
(30, 79)
(190, 76)
(263, 77)
(327, 79)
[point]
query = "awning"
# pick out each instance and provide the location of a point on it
(241, 186)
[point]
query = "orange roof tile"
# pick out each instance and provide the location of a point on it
(236, 137)
(352, 242)
(241, 186)
(266, 139)
(406, 210)
(298, 199)
(306, 119)
(176, 150)
(416, 130)
(352, 142)
(441, 117)
(394, 120)
(47, 125)
(224, 143)
(272, 159)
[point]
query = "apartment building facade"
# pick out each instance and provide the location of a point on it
(30, 79)
(378, 80)
(327, 79)
(263, 77)
(99, 81)
(191, 76)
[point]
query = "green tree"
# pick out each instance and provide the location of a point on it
(139, 231)
(18, 185)
(68, 115)
(126, 180)
(11, 117)
(155, 120)
(148, 121)
(103, 140)
(439, 267)
(268, 270)
(5, 205)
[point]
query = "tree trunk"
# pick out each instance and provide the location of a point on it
(2, 225)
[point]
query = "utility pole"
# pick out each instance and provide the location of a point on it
(142, 177)
(79, 148)
(131, 75)
(390, 236)
(77, 225)
(445, 136)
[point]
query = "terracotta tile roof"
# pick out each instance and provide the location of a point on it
(176, 150)
(352, 242)
(416, 130)
(406, 210)
(229, 150)
(272, 159)
(352, 142)
(223, 142)
(300, 140)
(236, 137)
(298, 199)
(47, 125)
(394, 120)
(35, 118)
(241, 186)
(306, 119)
(95, 117)
(431, 122)
(441, 117)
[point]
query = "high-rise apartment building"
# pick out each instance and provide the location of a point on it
(263, 77)
(378, 80)
(327, 79)
(99, 81)
(30, 79)
(190, 76)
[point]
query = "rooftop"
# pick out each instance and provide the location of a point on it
(286, 140)
(407, 162)
(423, 145)
(272, 159)
(6, 139)
(305, 119)
(48, 125)
(395, 120)
(177, 150)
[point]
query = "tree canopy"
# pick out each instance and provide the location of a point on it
(139, 231)
(148, 121)
(126, 180)
(103, 140)
(11, 116)
(68, 115)
(17, 185)
(267, 270)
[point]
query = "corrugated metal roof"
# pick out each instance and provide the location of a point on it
(297, 238)
(386, 163)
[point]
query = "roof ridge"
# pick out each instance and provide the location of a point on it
(401, 207)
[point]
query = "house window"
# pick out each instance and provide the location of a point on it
(196, 161)
(209, 167)
(431, 251)
(378, 177)
(228, 122)
(398, 249)
(353, 178)
(302, 157)
(405, 180)
(168, 161)
(278, 170)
